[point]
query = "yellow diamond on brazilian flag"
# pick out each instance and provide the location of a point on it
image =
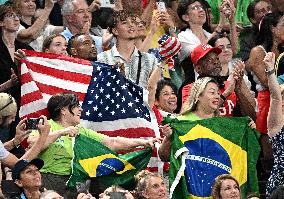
(215, 146)
(94, 160)
(104, 165)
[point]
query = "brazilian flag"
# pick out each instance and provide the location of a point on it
(94, 160)
(204, 149)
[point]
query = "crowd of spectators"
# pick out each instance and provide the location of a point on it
(228, 65)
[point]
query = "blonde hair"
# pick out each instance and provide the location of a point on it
(196, 90)
(8, 105)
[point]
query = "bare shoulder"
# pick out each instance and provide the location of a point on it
(256, 57)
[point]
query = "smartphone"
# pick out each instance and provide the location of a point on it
(117, 195)
(32, 123)
(161, 6)
(107, 3)
(83, 187)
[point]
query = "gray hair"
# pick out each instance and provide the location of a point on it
(67, 7)
(8, 105)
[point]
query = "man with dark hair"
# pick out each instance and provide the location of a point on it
(27, 177)
(82, 46)
(138, 65)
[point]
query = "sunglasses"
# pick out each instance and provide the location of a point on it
(9, 102)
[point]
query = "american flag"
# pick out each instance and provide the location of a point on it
(43, 75)
(168, 48)
(111, 104)
(111, 99)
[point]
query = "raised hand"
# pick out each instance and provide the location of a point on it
(86, 27)
(269, 60)
(167, 130)
(49, 4)
(21, 132)
(95, 5)
(19, 55)
(14, 77)
(43, 126)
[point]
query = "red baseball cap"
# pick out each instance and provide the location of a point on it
(202, 50)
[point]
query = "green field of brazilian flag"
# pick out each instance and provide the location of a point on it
(94, 160)
(202, 150)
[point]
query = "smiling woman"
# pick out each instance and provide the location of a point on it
(202, 103)
(225, 187)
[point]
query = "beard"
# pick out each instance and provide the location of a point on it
(92, 58)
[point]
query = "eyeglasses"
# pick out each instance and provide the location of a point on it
(196, 7)
(82, 11)
(9, 102)
(13, 15)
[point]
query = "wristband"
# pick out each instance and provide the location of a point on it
(269, 72)
(223, 97)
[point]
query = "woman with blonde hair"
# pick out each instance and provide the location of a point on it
(225, 187)
(203, 102)
(150, 185)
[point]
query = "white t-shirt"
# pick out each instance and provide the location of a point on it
(3, 152)
(188, 42)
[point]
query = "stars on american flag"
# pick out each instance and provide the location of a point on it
(111, 97)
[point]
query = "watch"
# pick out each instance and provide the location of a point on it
(269, 72)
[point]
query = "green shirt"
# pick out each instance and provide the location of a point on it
(189, 116)
(58, 155)
(241, 11)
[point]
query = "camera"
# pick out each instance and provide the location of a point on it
(117, 195)
(32, 123)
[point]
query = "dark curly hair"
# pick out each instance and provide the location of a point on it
(59, 101)
(183, 7)
(265, 36)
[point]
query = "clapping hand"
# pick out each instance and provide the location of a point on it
(269, 60)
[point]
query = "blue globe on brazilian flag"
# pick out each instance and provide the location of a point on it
(94, 160)
(204, 149)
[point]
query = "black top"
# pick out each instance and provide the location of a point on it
(247, 42)
(6, 63)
